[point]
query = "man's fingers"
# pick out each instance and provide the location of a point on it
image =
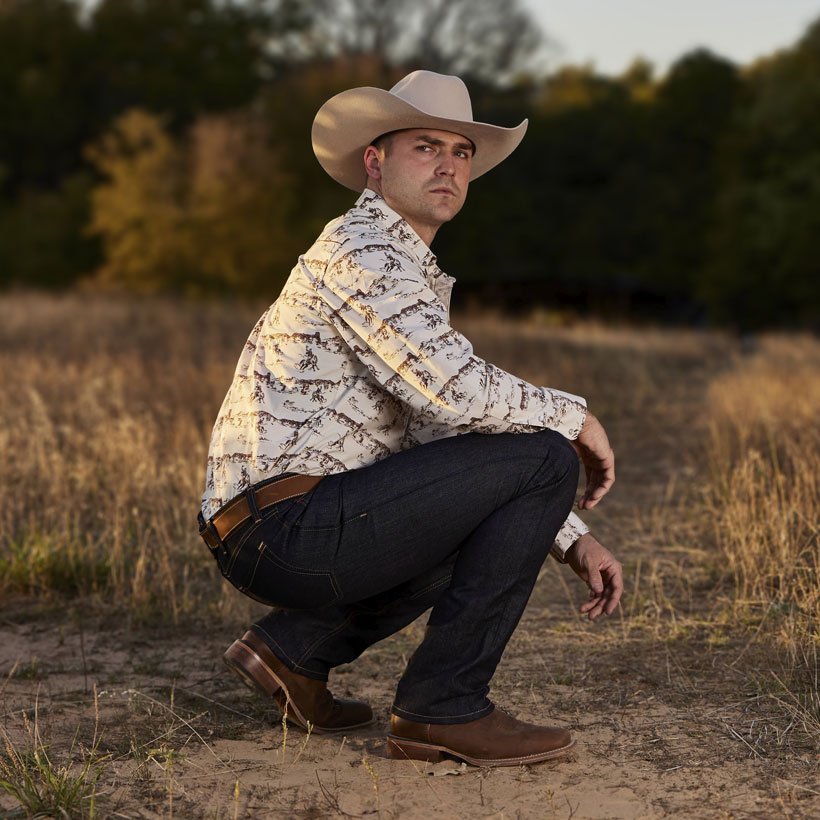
(594, 581)
(596, 609)
(600, 476)
(605, 599)
(616, 584)
(597, 567)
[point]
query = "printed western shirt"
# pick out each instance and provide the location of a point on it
(356, 360)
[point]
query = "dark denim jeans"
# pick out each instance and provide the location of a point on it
(462, 525)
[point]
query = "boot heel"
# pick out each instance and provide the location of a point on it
(408, 750)
(250, 669)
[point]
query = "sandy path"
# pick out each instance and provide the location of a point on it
(658, 735)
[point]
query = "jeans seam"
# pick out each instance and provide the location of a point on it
(443, 717)
(234, 553)
(261, 551)
(319, 641)
(430, 587)
(282, 654)
(279, 562)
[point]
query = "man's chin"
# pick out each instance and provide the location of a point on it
(449, 212)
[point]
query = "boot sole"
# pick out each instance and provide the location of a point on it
(399, 748)
(258, 676)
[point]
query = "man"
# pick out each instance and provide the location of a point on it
(367, 465)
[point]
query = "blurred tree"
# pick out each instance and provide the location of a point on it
(767, 238)
(203, 212)
(639, 78)
(46, 91)
(182, 58)
(139, 211)
(565, 219)
(244, 204)
(576, 87)
(41, 235)
(64, 75)
(692, 117)
(480, 39)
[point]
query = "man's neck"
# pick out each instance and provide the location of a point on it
(425, 232)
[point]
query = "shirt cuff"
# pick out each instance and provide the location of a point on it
(569, 413)
(571, 530)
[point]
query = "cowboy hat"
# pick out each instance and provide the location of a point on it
(347, 123)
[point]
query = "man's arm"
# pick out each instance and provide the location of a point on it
(592, 445)
(381, 304)
(383, 307)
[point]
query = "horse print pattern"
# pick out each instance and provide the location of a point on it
(356, 360)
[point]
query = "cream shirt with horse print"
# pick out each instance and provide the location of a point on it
(356, 360)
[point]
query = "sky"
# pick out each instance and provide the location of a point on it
(610, 33)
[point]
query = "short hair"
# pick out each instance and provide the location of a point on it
(382, 142)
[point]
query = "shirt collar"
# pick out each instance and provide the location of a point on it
(397, 226)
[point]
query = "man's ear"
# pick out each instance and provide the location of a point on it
(373, 162)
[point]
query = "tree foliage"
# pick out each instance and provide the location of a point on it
(164, 145)
(207, 211)
(473, 38)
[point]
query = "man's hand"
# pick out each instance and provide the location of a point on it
(597, 566)
(592, 445)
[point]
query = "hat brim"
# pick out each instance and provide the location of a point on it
(347, 123)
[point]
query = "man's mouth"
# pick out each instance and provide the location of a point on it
(448, 191)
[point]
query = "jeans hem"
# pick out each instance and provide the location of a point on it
(282, 656)
(466, 717)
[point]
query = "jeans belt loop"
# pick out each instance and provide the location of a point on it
(250, 496)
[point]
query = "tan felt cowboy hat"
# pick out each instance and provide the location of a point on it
(347, 123)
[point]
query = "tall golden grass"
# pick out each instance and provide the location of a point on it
(764, 489)
(107, 408)
(107, 405)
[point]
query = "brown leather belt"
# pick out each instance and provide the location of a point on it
(237, 511)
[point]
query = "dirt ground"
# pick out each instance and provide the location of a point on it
(661, 732)
(673, 710)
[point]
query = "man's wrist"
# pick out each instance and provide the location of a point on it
(568, 554)
(559, 554)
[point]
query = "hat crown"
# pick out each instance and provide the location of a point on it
(441, 95)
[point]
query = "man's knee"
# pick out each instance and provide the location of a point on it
(560, 461)
(569, 459)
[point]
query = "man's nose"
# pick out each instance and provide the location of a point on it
(446, 166)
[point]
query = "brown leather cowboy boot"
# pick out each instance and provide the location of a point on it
(494, 740)
(303, 700)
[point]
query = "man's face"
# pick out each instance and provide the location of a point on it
(423, 175)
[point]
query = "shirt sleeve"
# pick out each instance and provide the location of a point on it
(379, 300)
(571, 530)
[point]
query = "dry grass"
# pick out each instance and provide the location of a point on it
(765, 452)
(107, 408)
(108, 403)
(764, 498)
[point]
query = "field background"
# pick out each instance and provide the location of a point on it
(155, 164)
(699, 698)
